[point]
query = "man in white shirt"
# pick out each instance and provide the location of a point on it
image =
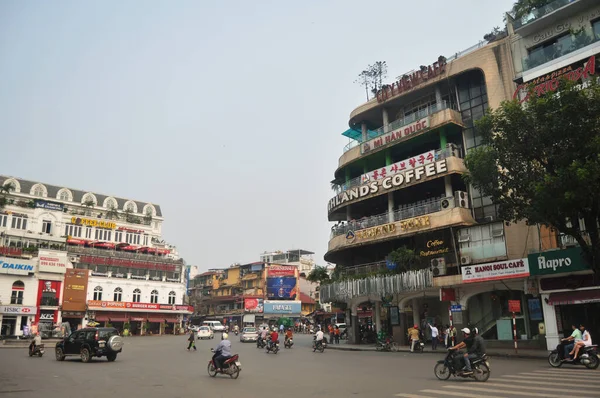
(434, 336)
(319, 337)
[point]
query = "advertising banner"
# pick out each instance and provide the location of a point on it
(75, 290)
(434, 244)
(97, 304)
(281, 270)
(17, 266)
(53, 261)
(283, 288)
(399, 167)
(42, 204)
(495, 271)
(252, 305)
(557, 262)
(283, 307)
(395, 135)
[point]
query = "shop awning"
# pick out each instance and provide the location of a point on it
(73, 241)
(102, 318)
(118, 318)
(575, 297)
(171, 320)
(156, 320)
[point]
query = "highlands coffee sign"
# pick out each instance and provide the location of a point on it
(388, 183)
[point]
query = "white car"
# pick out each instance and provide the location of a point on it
(214, 325)
(249, 334)
(204, 332)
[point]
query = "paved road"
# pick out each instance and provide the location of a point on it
(161, 367)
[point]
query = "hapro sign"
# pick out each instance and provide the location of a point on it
(16, 266)
(388, 183)
(557, 262)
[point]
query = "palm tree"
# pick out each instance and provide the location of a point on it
(318, 275)
(4, 190)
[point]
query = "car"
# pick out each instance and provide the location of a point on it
(216, 326)
(90, 342)
(342, 326)
(248, 334)
(204, 332)
(194, 328)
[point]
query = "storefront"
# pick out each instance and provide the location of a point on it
(74, 297)
(14, 318)
(569, 293)
(19, 296)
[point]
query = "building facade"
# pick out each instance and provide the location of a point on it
(399, 186)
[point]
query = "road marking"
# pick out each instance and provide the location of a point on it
(459, 394)
(539, 388)
(543, 378)
(528, 394)
(412, 396)
(569, 372)
(549, 375)
(529, 380)
(563, 370)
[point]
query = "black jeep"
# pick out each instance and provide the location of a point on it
(89, 343)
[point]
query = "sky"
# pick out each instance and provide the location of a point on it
(228, 114)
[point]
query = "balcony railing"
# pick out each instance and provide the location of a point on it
(49, 301)
(381, 286)
(88, 251)
(540, 12)
(421, 208)
(451, 150)
(555, 52)
(363, 269)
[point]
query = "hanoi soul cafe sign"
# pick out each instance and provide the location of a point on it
(496, 271)
(395, 135)
(397, 180)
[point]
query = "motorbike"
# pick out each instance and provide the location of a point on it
(319, 346)
(419, 346)
(588, 357)
(231, 366)
(260, 343)
(386, 345)
(288, 343)
(453, 363)
(236, 332)
(273, 347)
(37, 350)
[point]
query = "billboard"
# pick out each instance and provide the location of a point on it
(75, 290)
(283, 307)
(281, 270)
(52, 261)
(253, 305)
(282, 288)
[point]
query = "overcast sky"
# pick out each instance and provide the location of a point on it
(228, 114)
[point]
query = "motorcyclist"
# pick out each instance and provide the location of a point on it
(570, 342)
(274, 337)
(37, 341)
(222, 352)
(413, 335)
(319, 337)
(475, 346)
(289, 334)
(236, 329)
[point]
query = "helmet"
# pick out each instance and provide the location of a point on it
(416, 327)
(465, 330)
(274, 328)
(475, 330)
(225, 336)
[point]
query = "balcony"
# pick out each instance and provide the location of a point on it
(527, 20)
(401, 130)
(556, 53)
(49, 302)
(88, 251)
(405, 282)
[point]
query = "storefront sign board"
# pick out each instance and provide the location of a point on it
(495, 271)
(53, 261)
(17, 310)
(557, 262)
(17, 266)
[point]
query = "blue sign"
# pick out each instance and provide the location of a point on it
(281, 288)
(41, 204)
(283, 307)
(456, 308)
(535, 309)
(391, 265)
(256, 267)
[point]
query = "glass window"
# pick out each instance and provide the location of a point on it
(596, 29)
(118, 236)
(88, 232)
(137, 296)
(73, 230)
(98, 293)
(64, 196)
(46, 226)
(154, 297)
(483, 242)
(172, 297)
(19, 222)
(103, 234)
(3, 218)
(16, 296)
(118, 295)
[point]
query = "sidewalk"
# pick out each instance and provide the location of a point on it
(492, 352)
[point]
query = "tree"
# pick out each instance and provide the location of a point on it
(364, 80)
(524, 7)
(4, 190)
(318, 275)
(377, 73)
(541, 162)
(405, 258)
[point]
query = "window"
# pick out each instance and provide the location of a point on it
(154, 297)
(482, 241)
(73, 230)
(172, 298)
(596, 29)
(129, 207)
(98, 293)
(103, 234)
(118, 236)
(39, 191)
(3, 218)
(110, 203)
(89, 198)
(64, 195)
(88, 232)
(137, 296)
(145, 240)
(46, 226)
(16, 296)
(118, 296)
(132, 238)
(19, 222)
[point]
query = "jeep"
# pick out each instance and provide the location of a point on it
(89, 343)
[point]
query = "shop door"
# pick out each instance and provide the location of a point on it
(9, 326)
(586, 314)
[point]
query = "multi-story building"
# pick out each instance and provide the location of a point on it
(133, 276)
(556, 40)
(302, 259)
(399, 185)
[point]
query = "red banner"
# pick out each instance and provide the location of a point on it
(137, 306)
(514, 306)
(119, 262)
(281, 270)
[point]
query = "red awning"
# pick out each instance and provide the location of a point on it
(156, 320)
(575, 297)
(163, 251)
(101, 318)
(171, 320)
(118, 318)
(73, 241)
(104, 245)
(127, 248)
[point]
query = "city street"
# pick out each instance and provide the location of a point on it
(161, 367)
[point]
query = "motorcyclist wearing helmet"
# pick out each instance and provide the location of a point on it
(475, 348)
(289, 334)
(274, 337)
(222, 352)
(413, 335)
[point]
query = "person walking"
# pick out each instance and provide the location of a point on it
(434, 336)
(336, 334)
(192, 340)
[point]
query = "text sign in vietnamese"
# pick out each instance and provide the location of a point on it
(514, 306)
(395, 135)
(53, 261)
(283, 307)
(281, 270)
(495, 271)
(557, 262)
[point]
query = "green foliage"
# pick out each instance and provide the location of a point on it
(542, 162)
(372, 77)
(524, 7)
(405, 258)
(318, 275)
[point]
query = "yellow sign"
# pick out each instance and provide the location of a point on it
(414, 223)
(93, 223)
(376, 231)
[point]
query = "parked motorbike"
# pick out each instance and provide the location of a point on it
(260, 343)
(231, 366)
(319, 345)
(273, 347)
(37, 350)
(588, 357)
(288, 343)
(386, 345)
(454, 362)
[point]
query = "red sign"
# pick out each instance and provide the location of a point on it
(550, 82)
(281, 270)
(254, 305)
(412, 80)
(447, 294)
(514, 306)
(137, 306)
(127, 263)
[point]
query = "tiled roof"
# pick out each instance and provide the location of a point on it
(305, 299)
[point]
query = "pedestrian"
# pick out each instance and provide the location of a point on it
(192, 340)
(434, 336)
(446, 334)
(336, 333)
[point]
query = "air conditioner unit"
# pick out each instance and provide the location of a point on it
(461, 199)
(438, 266)
(465, 260)
(74, 259)
(447, 203)
(496, 233)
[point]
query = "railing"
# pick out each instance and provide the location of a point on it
(428, 206)
(351, 145)
(554, 52)
(363, 269)
(120, 254)
(540, 12)
(451, 150)
(49, 301)
(381, 286)
(462, 53)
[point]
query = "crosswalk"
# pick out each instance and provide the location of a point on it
(547, 383)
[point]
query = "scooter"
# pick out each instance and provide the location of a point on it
(288, 343)
(319, 346)
(453, 363)
(588, 357)
(231, 366)
(386, 345)
(272, 346)
(37, 350)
